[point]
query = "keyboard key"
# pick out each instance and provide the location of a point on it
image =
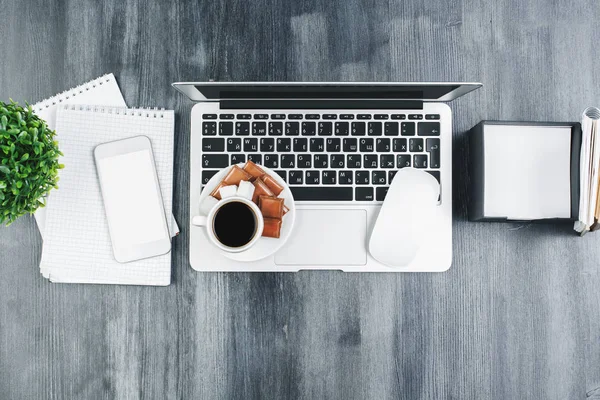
(309, 128)
(329, 116)
(215, 161)
(288, 161)
(391, 175)
(436, 175)
(398, 116)
(379, 177)
(364, 193)
(282, 174)
(346, 116)
(382, 145)
(250, 144)
(433, 147)
(312, 116)
(380, 193)
(206, 175)
(296, 178)
(320, 161)
(256, 158)
(415, 116)
(244, 116)
(333, 145)
(213, 144)
(363, 116)
(304, 161)
(381, 116)
(345, 178)
(317, 145)
(284, 145)
(390, 129)
(402, 160)
(374, 129)
(366, 145)
(353, 161)
(429, 129)
(300, 145)
(277, 116)
(312, 177)
(261, 116)
(259, 128)
(226, 116)
(242, 128)
(322, 193)
(328, 178)
(420, 161)
(209, 116)
(209, 128)
(275, 128)
(358, 129)
(432, 116)
(226, 128)
(407, 128)
(399, 145)
(361, 177)
(325, 128)
(271, 161)
(292, 128)
(295, 116)
(415, 145)
(370, 161)
(238, 158)
(267, 145)
(337, 161)
(341, 129)
(350, 145)
(387, 161)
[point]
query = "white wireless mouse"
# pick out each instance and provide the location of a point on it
(405, 217)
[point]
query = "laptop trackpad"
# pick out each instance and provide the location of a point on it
(326, 237)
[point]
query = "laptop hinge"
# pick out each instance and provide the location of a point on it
(322, 104)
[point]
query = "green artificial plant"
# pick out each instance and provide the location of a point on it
(28, 161)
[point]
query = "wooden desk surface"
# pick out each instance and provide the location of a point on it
(516, 317)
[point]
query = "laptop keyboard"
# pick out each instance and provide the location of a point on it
(325, 157)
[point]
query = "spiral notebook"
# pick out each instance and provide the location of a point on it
(102, 91)
(77, 246)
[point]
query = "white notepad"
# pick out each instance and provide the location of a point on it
(102, 91)
(77, 245)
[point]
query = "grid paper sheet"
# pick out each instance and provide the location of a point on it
(77, 245)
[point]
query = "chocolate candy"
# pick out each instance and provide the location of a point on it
(261, 189)
(272, 228)
(236, 175)
(253, 169)
(271, 207)
(272, 184)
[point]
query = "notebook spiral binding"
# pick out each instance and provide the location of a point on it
(52, 101)
(149, 112)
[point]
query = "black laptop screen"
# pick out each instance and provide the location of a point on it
(315, 91)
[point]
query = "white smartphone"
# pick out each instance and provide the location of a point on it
(132, 199)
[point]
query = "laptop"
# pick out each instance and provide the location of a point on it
(338, 146)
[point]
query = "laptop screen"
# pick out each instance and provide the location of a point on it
(391, 91)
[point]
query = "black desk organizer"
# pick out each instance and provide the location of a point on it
(477, 170)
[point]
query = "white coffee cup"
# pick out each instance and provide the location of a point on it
(209, 221)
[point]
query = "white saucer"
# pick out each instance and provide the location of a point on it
(265, 246)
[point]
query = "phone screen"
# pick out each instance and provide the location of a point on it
(132, 199)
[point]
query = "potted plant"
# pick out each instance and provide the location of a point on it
(28, 161)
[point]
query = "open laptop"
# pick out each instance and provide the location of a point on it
(338, 146)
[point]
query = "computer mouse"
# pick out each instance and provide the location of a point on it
(405, 217)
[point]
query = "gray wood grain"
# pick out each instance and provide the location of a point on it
(516, 317)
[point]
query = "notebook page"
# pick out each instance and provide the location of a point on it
(102, 91)
(77, 244)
